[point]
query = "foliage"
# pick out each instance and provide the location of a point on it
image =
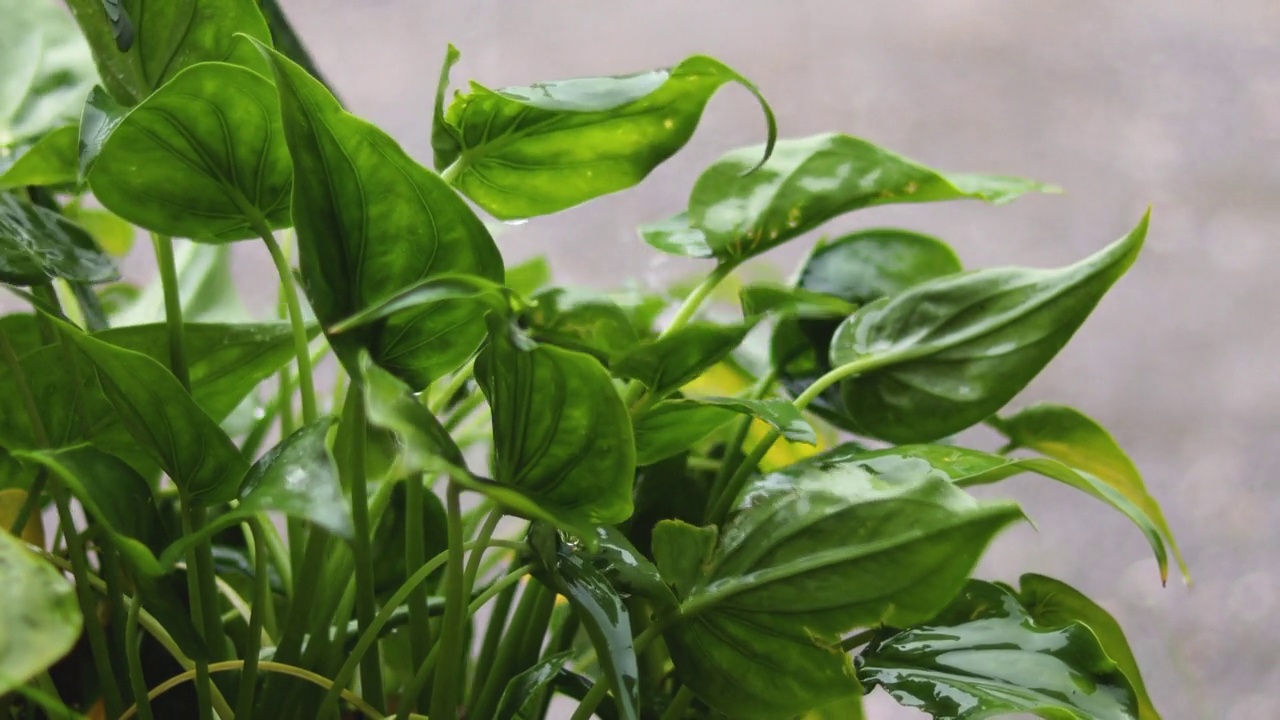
(658, 521)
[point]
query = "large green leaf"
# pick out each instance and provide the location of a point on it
(372, 222)
(674, 426)
(1053, 603)
(966, 467)
(985, 655)
(140, 45)
(734, 214)
(946, 354)
(47, 71)
(37, 245)
(1077, 440)
(525, 151)
(561, 432)
(801, 562)
(38, 613)
(163, 419)
(601, 610)
(858, 268)
(667, 363)
(202, 157)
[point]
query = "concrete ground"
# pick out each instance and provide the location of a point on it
(1173, 103)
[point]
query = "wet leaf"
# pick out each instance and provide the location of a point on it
(37, 245)
(517, 699)
(298, 478)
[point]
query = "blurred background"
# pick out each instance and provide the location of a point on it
(1173, 103)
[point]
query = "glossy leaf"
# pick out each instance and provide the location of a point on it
(140, 45)
(673, 426)
(580, 320)
(561, 432)
(625, 567)
(762, 298)
(38, 612)
(164, 420)
(809, 181)
(37, 245)
(944, 355)
(518, 698)
(602, 612)
(1077, 440)
(676, 235)
(51, 160)
(801, 562)
(525, 151)
(667, 363)
(1053, 603)
(985, 655)
(202, 157)
(298, 477)
(371, 222)
(47, 72)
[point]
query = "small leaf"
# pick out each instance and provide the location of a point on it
(561, 432)
(517, 698)
(445, 143)
(985, 655)
(801, 562)
(1053, 603)
(667, 363)
(138, 52)
(1078, 441)
(38, 611)
(677, 236)
(944, 355)
(371, 223)
(50, 161)
(525, 151)
(202, 157)
(530, 276)
(164, 420)
(47, 72)
(673, 426)
(762, 298)
(811, 180)
(603, 614)
(625, 567)
(580, 320)
(37, 245)
(298, 477)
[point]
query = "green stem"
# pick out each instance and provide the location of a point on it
(258, 607)
(172, 308)
(528, 611)
(198, 600)
(370, 670)
(482, 541)
(456, 383)
(679, 704)
(489, 646)
(133, 651)
(743, 427)
(415, 557)
(306, 382)
(445, 694)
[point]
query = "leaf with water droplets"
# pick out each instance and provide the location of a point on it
(38, 245)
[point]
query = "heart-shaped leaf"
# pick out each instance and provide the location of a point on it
(525, 151)
(805, 183)
(371, 223)
(946, 354)
(561, 432)
(667, 363)
(38, 611)
(1078, 441)
(202, 157)
(801, 562)
(47, 72)
(673, 426)
(985, 655)
(37, 245)
(140, 45)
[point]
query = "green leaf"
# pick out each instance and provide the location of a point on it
(580, 320)
(37, 245)
(801, 562)
(430, 292)
(625, 567)
(966, 467)
(809, 181)
(985, 655)
(114, 234)
(602, 611)
(676, 235)
(47, 72)
(530, 276)
(371, 222)
(299, 478)
(667, 363)
(1053, 603)
(388, 543)
(666, 490)
(164, 420)
(38, 611)
(944, 355)
(202, 157)
(562, 434)
(140, 45)
(525, 151)
(51, 160)
(1078, 441)
(673, 426)
(762, 298)
(445, 143)
(517, 701)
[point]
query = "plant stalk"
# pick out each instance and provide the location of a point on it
(445, 694)
(353, 468)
